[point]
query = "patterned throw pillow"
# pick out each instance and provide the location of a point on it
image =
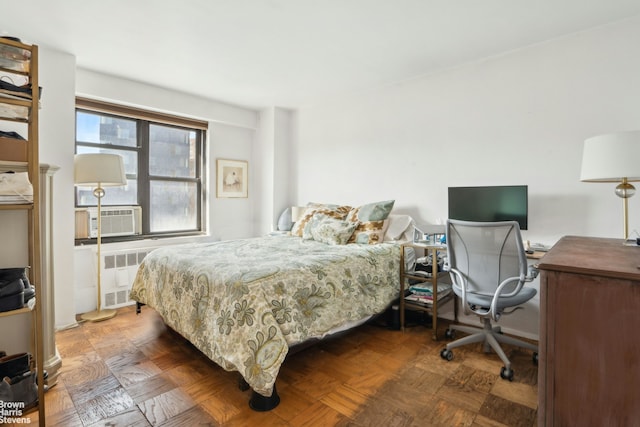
(333, 211)
(373, 222)
(329, 230)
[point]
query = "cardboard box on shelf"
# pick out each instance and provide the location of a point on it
(13, 150)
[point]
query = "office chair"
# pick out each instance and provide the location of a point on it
(488, 268)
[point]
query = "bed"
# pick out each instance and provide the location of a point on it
(245, 303)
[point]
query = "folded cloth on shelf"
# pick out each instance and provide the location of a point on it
(9, 111)
(423, 294)
(24, 91)
(15, 200)
(427, 289)
(11, 135)
(15, 187)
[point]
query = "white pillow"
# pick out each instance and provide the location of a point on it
(398, 226)
(284, 222)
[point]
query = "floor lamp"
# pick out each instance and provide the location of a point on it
(614, 157)
(99, 170)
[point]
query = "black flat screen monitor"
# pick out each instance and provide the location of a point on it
(486, 204)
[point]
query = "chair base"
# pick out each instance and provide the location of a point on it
(491, 337)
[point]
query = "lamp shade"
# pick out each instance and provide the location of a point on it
(99, 170)
(611, 157)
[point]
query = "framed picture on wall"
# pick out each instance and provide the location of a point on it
(231, 178)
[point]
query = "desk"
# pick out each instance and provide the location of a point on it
(588, 373)
(431, 249)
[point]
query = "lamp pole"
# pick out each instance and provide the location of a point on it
(99, 314)
(625, 190)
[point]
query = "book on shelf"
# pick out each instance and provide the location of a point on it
(426, 288)
(422, 293)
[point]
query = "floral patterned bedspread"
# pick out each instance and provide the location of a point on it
(244, 302)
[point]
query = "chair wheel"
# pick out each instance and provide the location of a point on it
(446, 354)
(449, 334)
(506, 374)
(535, 358)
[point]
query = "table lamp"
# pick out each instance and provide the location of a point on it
(99, 170)
(614, 157)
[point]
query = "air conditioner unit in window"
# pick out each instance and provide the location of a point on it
(116, 221)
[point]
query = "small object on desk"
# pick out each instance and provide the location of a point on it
(440, 238)
(538, 247)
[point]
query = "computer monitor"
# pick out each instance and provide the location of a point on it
(490, 203)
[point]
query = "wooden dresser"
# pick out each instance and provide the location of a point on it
(589, 355)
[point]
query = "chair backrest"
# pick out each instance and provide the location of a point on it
(486, 254)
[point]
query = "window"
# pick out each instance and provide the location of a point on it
(163, 158)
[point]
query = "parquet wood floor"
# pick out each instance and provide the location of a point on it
(133, 371)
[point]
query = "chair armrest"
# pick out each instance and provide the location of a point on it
(445, 264)
(532, 273)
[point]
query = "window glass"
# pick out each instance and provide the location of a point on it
(174, 206)
(172, 152)
(113, 196)
(126, 195)
(101, 129)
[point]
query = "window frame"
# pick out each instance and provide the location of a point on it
(144, 119)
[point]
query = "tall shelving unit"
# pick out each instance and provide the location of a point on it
(19, 61)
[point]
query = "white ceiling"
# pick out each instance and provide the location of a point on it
(287, 53)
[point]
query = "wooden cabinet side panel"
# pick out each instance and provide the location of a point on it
(545, 402)
(591, 353)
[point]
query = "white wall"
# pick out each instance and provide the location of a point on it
(262, 177)
(284, 177)
(56, 145)
(274, 180)
(519, 118)
(232, 218)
